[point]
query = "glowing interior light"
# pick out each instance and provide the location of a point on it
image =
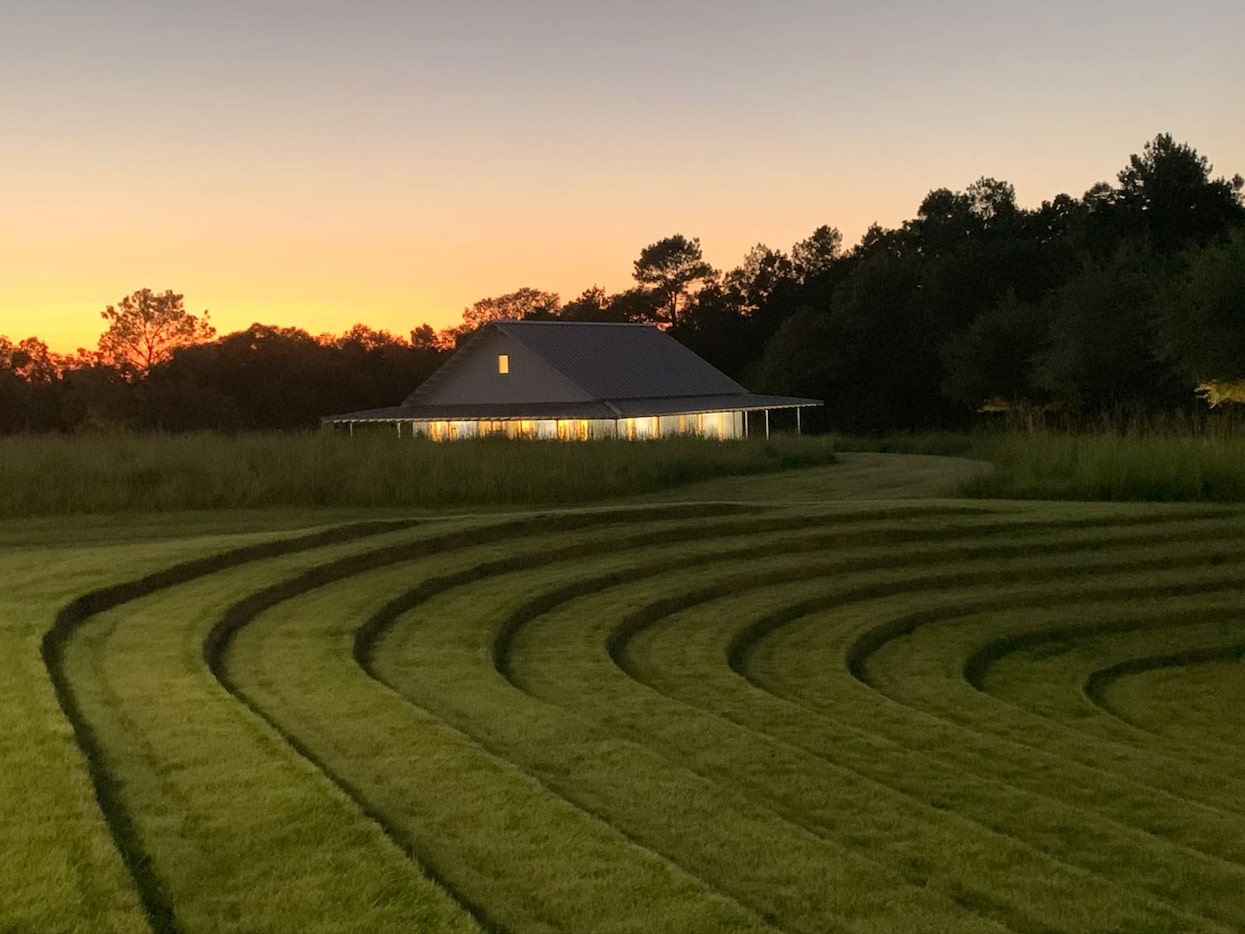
(503, 363)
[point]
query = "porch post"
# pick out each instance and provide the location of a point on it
(797, 420)
(767, 424)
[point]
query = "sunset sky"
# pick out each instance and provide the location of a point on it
(317, 164)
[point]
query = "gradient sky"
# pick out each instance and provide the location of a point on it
(317, 164)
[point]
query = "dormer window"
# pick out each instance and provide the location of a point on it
(503, 363)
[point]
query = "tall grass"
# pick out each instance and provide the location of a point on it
(67, 476)
(1149, 467)
(939, 443)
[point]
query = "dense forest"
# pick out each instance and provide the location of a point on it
(1127, 301)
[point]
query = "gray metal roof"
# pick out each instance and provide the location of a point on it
(620, 361)
(626, 370)
(620, 408)
(499, 411)
(689, 405)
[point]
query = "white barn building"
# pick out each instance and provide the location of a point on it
(576, 381)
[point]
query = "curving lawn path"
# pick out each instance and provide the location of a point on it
(823, 701)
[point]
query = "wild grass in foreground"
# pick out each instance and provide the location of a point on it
(70, 476)
(1158, 468)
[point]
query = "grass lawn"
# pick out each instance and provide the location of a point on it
(832, 699)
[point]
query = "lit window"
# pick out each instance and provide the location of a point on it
(503, 363)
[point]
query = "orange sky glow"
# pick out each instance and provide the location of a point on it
(317, 164)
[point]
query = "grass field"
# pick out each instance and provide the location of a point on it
(835, 699)
(73, 475)
(1176, 467)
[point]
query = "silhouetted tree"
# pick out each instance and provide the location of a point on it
(425, 337)
(594, 304)
(1167, 191)
(992, 361)
(144, 328)
(522, 303)
(636, 304)
(799, 359)
(1201, 317)
(1101, 355)
(992, 202)
(762, 272)
(672, 269)
(1122, 299)
(815, 254)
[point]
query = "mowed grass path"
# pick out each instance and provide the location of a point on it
(775, 706)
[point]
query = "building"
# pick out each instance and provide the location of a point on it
(575, 381)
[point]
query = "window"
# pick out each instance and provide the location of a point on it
(503, 363)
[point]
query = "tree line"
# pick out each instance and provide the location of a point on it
(1128, 300)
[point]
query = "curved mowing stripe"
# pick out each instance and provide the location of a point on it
(674, 648)
(872, 636)
(75, 614)
(790, 634)
(1059, 670)
(936, 647)
(626, 631)
(350, 763)
(1099, 683)
(543, 602)
(627, 783)
(1197, 700)
(593, 684)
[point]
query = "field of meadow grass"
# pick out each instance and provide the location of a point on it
(836, 699)
(1176, 467)
(63, 475)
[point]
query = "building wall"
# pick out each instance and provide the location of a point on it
(537, 429)
(724, 426)
(475, 378)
